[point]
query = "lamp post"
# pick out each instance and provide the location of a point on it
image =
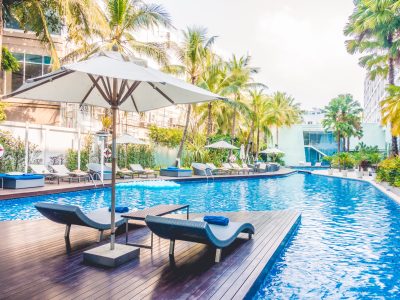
(101, 135)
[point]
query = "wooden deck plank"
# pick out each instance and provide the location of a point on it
(34, 263)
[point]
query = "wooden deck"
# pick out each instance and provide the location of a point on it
(52, 188)
(34, 263)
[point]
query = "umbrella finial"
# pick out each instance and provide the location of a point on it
(114, 47)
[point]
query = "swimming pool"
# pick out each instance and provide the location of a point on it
(347, 246)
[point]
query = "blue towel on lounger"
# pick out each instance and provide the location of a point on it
(120, 209)
(216, 220)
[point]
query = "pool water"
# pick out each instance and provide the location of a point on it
(347, 246)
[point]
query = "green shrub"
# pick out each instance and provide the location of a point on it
(169, 137)
(14, 155)
(389, 171)
(342, 160)
(137, 154)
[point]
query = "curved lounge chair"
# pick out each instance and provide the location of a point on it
(72, 215)
(201, 169)
(197, 231)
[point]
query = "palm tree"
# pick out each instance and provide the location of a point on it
(343, 117)
(390, 109)
(282, 111)
(240, 77)
(80, 17)
(191, 54)
(123, 19)
(375, 28)
(259, 105)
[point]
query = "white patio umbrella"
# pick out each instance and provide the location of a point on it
(112, 80)
(222, 145)
(126, 139)
(272, 151)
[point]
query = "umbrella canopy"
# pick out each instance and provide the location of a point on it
(221, 145)
(128, 139)
(109, 75)
(272, 151)
(110, 79)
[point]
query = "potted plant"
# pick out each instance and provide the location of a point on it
(360, 160)
(345, 161)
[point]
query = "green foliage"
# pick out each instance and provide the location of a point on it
(389, 171)
(343, 117)
(8, 61)
(343, 160)
(14, 155)
(137, 154)
(71, 159)
(169, 137)
(3, 115)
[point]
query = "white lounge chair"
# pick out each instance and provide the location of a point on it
(138, 169)
(42, 170)
(122, 173)
(63, 170)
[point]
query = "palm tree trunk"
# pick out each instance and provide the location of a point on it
(338, 142)
(258, 141)
(233, 124)
(348, 144)
(209, 122)
(54, 56)
(395, 148)
(249, 138)
(277, 136)
(185, 131)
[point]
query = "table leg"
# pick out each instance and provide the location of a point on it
(126, 230)
(187, 213)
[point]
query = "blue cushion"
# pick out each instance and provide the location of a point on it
(176, 170)
(22, 177)
(120, 209)
(216, 220)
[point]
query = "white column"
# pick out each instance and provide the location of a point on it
(79, 147)
(26, 147)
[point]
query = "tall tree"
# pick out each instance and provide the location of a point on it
(283, 111)
(240, 80)
(374, 26)
(191, 54)
(343, 117)
(124, 18)
(258, 103)
(390, 108)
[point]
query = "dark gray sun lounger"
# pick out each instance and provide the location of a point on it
(197, 231)
(99, 219)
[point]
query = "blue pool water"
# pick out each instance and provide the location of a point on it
(347, 246)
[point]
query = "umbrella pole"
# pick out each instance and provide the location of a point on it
(114, 108)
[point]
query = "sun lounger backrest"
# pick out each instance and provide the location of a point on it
(227, 165)
(176, 229)
(60, 169)
(63, 214)
(39, 169)
(211, 166)
(136, 167)
(199, 166)
(235, 165)
(97, 167)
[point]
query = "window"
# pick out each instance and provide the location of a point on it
(31, 65)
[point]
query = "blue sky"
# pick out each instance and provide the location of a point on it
(299, 45)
